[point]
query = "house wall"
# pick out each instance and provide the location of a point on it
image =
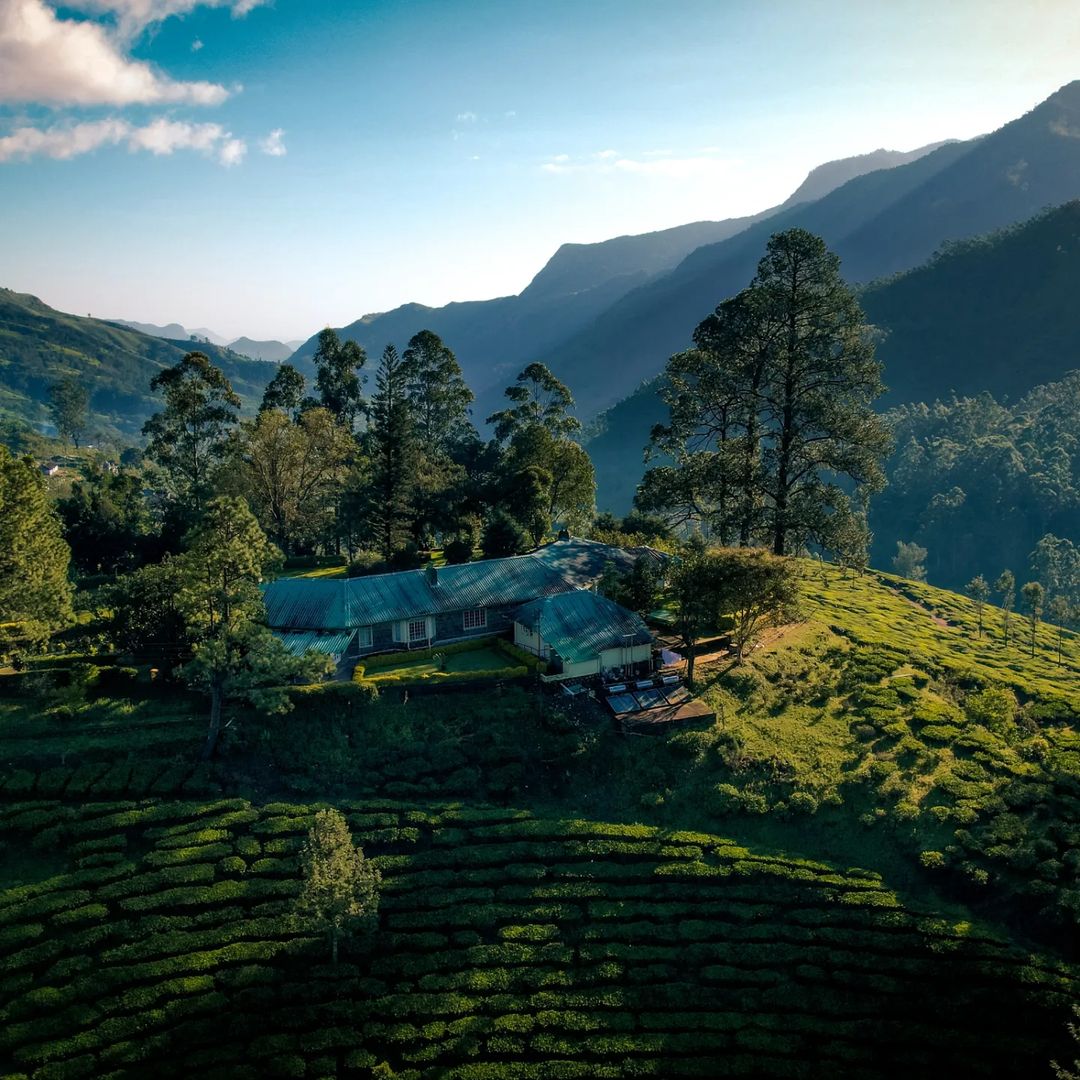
(524, 638)
(617, 658)
(446, 628)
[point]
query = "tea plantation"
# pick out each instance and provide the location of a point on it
(558, 900)
(508, 946)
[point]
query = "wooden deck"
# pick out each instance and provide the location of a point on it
(650, 721)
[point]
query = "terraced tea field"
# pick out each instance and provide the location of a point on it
(508, 946)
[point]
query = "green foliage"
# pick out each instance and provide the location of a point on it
(233, 655)
(190, 435)
(340, 886)
(909, 560)
(35, 594)
(68, 403)
(339, 377)
(771, 407)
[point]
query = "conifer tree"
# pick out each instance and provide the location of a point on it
(340, 887)
(393, 457)
(773, 407)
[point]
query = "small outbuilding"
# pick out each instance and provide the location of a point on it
(582, 633)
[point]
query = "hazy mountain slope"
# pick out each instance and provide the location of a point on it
(273, 351)
(833, 174)
(997, 313)
(173, 331)
(878, 223)
(494, 338)
(39, 345)
(632, 339)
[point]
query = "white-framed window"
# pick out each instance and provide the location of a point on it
(474, 618)
(417, 630)
(363, 637)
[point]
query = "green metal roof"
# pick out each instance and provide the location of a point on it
(313, 641)
(579, 625)
(337, 604)
(582, 562)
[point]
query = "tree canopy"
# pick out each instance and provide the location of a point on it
(772, 409)
(189, 437)
(35, 593)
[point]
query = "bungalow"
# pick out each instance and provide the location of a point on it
(582, 634)
(353, 617)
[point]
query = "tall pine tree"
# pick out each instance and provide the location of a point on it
(393, 457)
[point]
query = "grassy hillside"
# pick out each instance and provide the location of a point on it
(508, 946)
(866, 866)
(39, 345)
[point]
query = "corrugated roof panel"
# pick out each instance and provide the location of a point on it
(314, 604)
(582, 562)
(313, 640)
(579, 625)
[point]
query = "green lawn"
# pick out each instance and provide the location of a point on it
(485, 658)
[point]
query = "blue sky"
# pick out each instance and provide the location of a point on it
(267, 169)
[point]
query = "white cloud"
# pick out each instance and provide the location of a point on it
(510, 114)
(159, 137)
(651, 163)
(53, 61)
(274, 143)
(196, 45)
(232, 152)
(133, 16)
(466, 118)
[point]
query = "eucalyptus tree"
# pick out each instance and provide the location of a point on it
(190, 436)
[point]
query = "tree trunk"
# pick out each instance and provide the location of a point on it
(333, 946)
(215, 722)
(690, 663)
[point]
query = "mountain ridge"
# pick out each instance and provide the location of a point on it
(494, 338)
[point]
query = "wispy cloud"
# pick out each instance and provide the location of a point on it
(161, 137)
(131, 17)
(466, 118)
(48, 60)
(274, 143)
(662, 163)
(196, 45)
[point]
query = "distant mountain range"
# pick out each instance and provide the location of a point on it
(39, 345)
(880, 223)
(493, 339)
(275, 351)
(995, 314)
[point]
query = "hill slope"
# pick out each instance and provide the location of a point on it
(274, 352)
(685, 904)
(995, 314)
(494, 338)
(39, 345)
